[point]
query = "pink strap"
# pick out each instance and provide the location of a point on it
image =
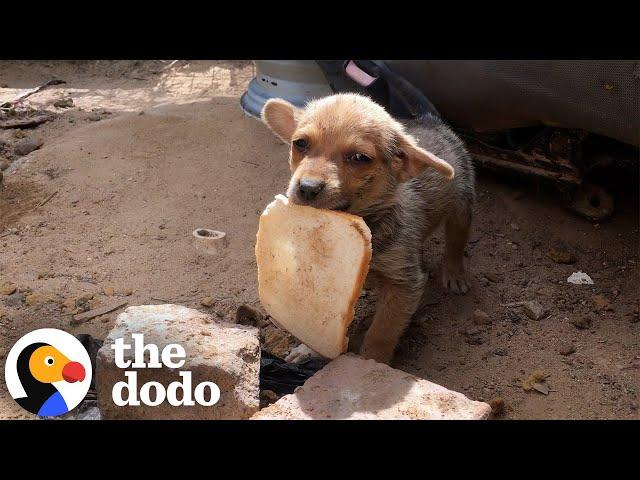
(358, 75)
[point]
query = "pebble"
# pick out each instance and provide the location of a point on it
(4, 164)
(15, 300)
(480, 318)
(94, 117)
(567, 349)
(534, 310)
(561, 256)
(127, 292)
(108, 291)
(8, 288)
(208, 302)
(580, 278)
(64, 103)
(601, 303)
(268, 396)
(247, 315)
(580, 321)
(26, 146)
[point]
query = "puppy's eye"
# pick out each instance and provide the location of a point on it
(359, 158)
(301, 144)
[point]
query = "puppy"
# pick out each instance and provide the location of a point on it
(347, 153)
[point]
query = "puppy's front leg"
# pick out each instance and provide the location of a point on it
(396, 304)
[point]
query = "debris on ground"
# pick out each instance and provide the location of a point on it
(277, 341)
(480, 318)
(64, 103)
(601, 303)
(8, 288)
(4, 164)
(351, 387)
(581, 322)
(86, 316)
(534, 310)
(561, 256)
(535, 382)
(247, 315)
(26, 146)
(228, 356)
(497, 405)
(580, 278)
(208, 302)
(567, 349)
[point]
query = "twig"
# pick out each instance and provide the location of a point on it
(251, 163)
(83, 317)
(26, 122)
(46, 200)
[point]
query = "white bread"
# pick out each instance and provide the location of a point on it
(312, 264)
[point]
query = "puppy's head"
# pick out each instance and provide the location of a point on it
(347, 153)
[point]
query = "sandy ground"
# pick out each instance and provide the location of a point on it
(170, 151)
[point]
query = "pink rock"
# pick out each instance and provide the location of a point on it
(351, 387)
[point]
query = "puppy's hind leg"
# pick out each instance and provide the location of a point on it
(457, 229)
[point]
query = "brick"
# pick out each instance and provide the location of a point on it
(351, 387)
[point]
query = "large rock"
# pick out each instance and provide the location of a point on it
(351, 387)
(223, 353)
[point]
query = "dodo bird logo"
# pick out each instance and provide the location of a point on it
(48, 372)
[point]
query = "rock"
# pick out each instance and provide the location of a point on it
(34, 299)
(127, 292)
(581, 321)
(109, 291)
(94, 117)
(208, 302)
(26, 146)
(351, 387)
(227, 354)
(561, 256)
(4, 164)
(480, 318)
(276, 341)
(567, 349)
(64, 103)
(541, 388)
(90, 414)
(268, 397)
(601, 303)
(247, 315)
(8, 288)
(580, 278)
(534, 310)
(15, 300)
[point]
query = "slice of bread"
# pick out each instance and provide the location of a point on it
(312, 265)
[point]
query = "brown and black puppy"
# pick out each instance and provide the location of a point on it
(347, 153)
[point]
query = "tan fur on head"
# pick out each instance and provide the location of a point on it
(336, 128)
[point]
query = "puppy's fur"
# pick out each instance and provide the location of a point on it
(359, 159)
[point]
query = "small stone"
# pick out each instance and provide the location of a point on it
(541, 388)
(94, 117)
(581, 322)
(64, 103)
(534, 310)
(127, 292)
(4, 164)
(537, 376)
(277, 342)
(15, 300)
(26, 146)
(247, 315)
(8, 288)
(501, 352)
(208, 302)
(109, 291)
(561, 256)
(580, 278)
(34, 299)
(480, 318)
(567, 349)
(268, 396)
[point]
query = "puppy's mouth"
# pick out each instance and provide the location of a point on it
(338, 206)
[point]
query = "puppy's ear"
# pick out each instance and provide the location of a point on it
(281, 117)
(415, 159)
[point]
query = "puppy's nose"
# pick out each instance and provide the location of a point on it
(309, 189)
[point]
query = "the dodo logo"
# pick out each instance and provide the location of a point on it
(48, 372)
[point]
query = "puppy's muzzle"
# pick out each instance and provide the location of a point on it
(309, 189)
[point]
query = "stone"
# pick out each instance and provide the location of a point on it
(480, 318)
(64, 103)
(351, 387)
(208, 302)
(561, 256)
(8, 288)
(276, 341)
(4, 164)
(224, 353)
(581, 322)
(567, 349)
(580, 278)
(26, 146)
(534, 310)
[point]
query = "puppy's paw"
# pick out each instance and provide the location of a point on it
(378, 350)
(455, 280)
(301, 354)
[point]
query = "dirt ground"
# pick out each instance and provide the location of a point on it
(152, 150)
